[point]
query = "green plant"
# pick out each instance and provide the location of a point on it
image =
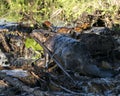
(66, 10)
(31, 43)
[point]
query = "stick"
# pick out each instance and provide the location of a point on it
(67, 90)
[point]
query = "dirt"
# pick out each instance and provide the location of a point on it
(21, 75)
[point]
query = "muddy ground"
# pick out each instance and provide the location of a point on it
(22, 75)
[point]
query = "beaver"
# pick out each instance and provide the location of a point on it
(72, 54)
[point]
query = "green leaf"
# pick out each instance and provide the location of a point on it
(31, 43)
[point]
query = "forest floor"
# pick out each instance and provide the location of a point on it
(21, 74)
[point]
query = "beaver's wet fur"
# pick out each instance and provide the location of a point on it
(72, 54)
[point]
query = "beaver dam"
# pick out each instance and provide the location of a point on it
(79, 60)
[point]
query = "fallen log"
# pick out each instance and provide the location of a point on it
(72, 54)
(21, 86)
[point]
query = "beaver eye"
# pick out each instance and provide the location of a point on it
(46, 34)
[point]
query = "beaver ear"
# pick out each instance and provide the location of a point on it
(46, 34)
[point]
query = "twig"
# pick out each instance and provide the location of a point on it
(67, 90)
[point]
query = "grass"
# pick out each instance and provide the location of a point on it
(53, 10)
